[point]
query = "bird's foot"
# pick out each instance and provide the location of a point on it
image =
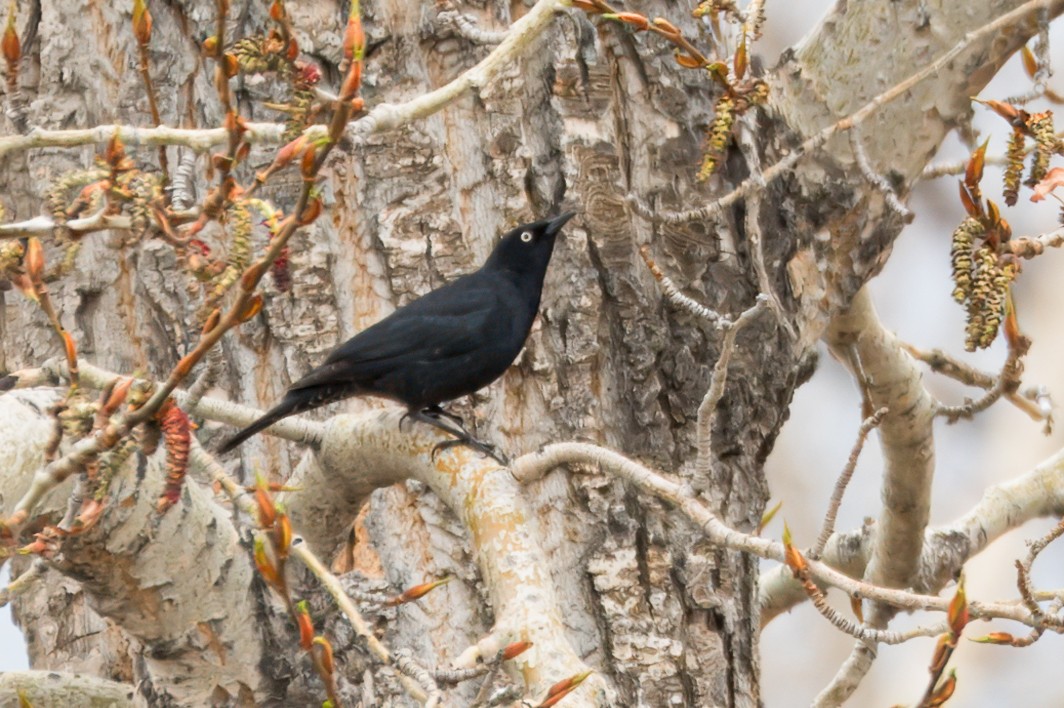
(436, 416)
(480, 446)
(438, 412)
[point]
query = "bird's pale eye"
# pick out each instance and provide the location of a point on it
(526, 236)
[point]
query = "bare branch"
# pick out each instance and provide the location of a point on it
(467, 27)
(748, 144)
(707, 410)
(1037, 494)
(673, 294)
(1034, 401)
(876, 180)
(209, 466)
(889, 378)
(384, 116)
(828, 528)
(856, 118)
(54, 688)
(1031, 246)
(535, 465)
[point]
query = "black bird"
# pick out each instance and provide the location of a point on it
(446, 344)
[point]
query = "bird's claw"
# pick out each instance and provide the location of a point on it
(482, 447)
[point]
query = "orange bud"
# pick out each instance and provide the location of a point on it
(184, 365)
(71, 351)
(857, 607)
(352, 82)
(230, 65)
(306, 165)
(357, 104)
(210, 47)
(687, 61)
(311, 213)
(266, 567)
(212, 320)
(142, 22)
(354, 42)
(10, 44)
(288, 151)
(635, 19)
(118, 395)
(34, 259)
(996, 638)
(944, 691)
(958, 610)
(283, 535)
(1013, 335)
(306, 626)
(221, 161)
(1030, 64)
(973, 172)
(567, 684)
(277, 12)
(993, 214)
(253, 308)
(292, 52)
(791, 555)
(325, 655)
(1006, 110)
(515, 649)
(972, 207)
(741, 60)
(719, 73)
(416, 592)
(267, 510)
(943, 649)
(252, 276)
(665, 26)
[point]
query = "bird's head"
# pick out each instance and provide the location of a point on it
(528, 247)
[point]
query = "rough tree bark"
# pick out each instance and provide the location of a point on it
(590, 114)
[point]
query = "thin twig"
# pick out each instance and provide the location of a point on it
(707, 410)
(856, 118)
(749, 145)
(876, 180)
(1006, 382)
(384, 116)
(673, 294)
(100, 221)
(1034, 401)
(534, 465)
(1023, 568)
(213, 470)
(467, 27)
(1031, 246)
(867, 425)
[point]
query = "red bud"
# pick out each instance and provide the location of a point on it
(142, 22)
(10, 44)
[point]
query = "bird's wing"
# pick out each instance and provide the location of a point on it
(448, 322)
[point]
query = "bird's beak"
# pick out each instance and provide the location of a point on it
(555, 225)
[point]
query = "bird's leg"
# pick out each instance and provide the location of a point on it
(436, 411)
(434, 416)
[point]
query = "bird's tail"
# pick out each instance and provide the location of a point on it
(289, 405)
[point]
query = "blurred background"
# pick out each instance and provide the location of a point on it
(800, 651)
